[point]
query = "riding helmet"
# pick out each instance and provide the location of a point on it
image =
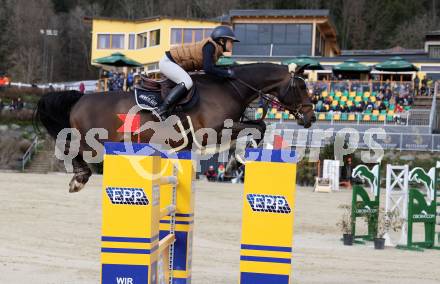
(223, 32)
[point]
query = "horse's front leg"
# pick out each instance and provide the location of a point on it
(81, 174)
(254, 129)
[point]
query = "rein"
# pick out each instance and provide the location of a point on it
(270, 99)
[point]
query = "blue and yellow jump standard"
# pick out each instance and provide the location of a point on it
(148, 213)
(267, 223)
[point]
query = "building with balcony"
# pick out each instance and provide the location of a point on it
(290, 33)
(145, 40)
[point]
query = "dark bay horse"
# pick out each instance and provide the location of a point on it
(220, 100)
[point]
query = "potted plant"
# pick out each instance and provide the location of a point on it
(386, 222)
(346, 224)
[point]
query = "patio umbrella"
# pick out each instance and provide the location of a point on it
(351, 65)
(303, 60)
(118, 60)
(395, 64)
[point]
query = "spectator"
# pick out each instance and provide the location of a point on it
(19, 104)
(352, 108)
(423, 89)
(211, 174)
(416, 85)
(387, 84)
(319, 106)
(13, 105)
(430, 84)
(110, 84)
(380, 95)
(130, 81)
(2, 105)
(82, 87)
(121, 81)
(399, 108)
(388, 94)
(221, 172)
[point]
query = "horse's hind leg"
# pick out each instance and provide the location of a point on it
(82, 173)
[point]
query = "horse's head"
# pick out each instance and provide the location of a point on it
(285, 84)
(295, 98)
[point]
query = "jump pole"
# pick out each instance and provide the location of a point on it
(147, 223)
(267, 217)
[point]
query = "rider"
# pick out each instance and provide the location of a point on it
(193, 57)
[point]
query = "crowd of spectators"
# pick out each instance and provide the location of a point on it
(14, 105)
(118, 81)
(219, 175)
(423, 87)
(361, 96)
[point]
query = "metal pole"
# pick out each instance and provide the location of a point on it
(44, 57)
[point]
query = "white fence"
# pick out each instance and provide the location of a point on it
(90, 85)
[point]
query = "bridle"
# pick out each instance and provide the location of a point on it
(296, 112)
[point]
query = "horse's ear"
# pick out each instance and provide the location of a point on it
(301, 69)
(292, 67)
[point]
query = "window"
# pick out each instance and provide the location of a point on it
(186, 36)
(264, 34)
(176, 36)
(198, 35)
(318, 48)
(154, 38)
(273, 39)
(103, 41)
(292, 34)
(111, 41)
(153, 66)
(207, 33)
(434, 51)
(251, 34)
(131, 41)
(279, 33)
(142, 40)
(305, 34)
(117, 41)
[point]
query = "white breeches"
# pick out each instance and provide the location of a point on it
(174, 72)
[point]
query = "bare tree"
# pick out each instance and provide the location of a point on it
(26, 21)
(411, 34)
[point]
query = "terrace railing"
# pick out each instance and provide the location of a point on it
(29, 152)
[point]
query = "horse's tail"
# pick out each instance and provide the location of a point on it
(53, 111)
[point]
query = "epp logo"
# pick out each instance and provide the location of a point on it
(268, 203)
(127, 195)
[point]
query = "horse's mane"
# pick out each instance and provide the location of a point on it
(202, 77)
(258, 65)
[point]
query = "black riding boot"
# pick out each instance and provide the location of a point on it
(175, 94)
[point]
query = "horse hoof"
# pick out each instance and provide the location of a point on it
(75, 186)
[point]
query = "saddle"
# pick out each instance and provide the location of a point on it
(149, 94)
